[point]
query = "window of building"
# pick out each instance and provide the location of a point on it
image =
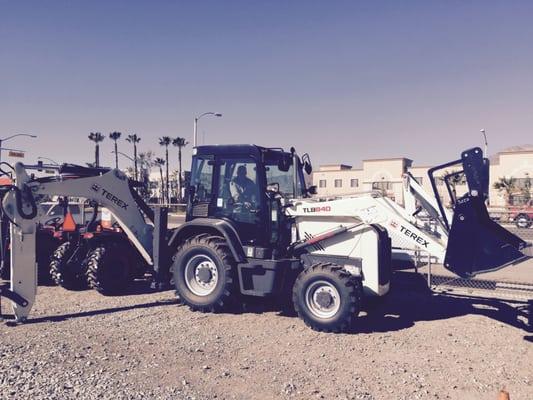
(354, 182)
(383, 185)
(322, 183)
(338, 183)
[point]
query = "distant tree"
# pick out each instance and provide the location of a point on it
(456, 178)
(165, 141)
(506, 186)
(526, 188)
(180, 143)
(114, 136)
(146, 162)
(96, 137)
(160, 162)
(134, 139)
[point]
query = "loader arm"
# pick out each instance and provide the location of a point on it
(108, 188)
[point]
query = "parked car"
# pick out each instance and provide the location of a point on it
(522, 215)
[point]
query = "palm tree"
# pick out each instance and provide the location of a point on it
(455, 178)
(160, 162)
(96, 137)
(507, 186)
(180, 143)
(133, 138)
(165, 141)
(114, 136)
(146, 163)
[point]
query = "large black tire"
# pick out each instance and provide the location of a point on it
(327, 298)
(67, 267)
(108, 269)
(46, 245)
(204, 274)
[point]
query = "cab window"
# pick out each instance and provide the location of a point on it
(238, 194)
(202, 179)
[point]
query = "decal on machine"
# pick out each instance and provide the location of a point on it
(110, 196)
(317, 209)
(410, 234)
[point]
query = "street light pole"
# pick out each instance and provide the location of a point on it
(196, 119)
(11, 137)
(48, 159)
(486, 143)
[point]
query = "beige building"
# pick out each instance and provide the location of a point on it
(386, 175)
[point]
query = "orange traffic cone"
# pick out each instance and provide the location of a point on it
(504, 395)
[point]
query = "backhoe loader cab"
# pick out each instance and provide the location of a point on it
(243, 184)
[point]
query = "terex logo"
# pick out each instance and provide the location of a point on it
(114, 199)
(110, 196)
(317, 209)
(414, 236)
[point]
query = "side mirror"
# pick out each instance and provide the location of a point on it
(284, 163)
(312, 190)
(308, 167)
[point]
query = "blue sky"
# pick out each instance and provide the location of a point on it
(342, 80)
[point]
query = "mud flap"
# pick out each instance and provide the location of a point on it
(476, 244)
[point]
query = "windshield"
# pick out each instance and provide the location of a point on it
(283, 179)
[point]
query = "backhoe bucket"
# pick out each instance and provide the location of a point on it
(476, 243)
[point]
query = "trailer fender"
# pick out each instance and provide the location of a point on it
(210, 225)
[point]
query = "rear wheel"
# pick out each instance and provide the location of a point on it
(67, 266)
(327, 298)
(523, 221)
(108, 269)
(203, 273)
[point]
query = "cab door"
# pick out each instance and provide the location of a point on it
(240, 198)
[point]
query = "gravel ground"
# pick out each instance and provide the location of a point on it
(410, 345)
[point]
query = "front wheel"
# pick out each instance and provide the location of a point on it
(203, 273)
(523, 221)
(327, 298)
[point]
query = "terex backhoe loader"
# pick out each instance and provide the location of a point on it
(252, 228)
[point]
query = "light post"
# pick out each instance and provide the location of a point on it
(486, 143)
(48, 159)
(124, 155)
(11, 137)
(196, 119)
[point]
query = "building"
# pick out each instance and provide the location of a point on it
(385, 175)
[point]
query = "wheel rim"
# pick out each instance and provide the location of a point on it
(522, 222)
(201, 275)
(322, 299)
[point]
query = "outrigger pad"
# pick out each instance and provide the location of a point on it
(476, 243)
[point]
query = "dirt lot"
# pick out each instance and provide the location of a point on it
(412, 345)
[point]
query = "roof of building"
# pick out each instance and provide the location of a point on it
(334, 167)
(520, 149)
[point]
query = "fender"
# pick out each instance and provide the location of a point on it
(215, 225)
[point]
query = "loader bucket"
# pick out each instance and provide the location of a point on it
(476, 243)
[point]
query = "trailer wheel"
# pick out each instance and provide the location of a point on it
(203, 273)
(327, 298)
(523, 221)
(67, 267)
(108, 269)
